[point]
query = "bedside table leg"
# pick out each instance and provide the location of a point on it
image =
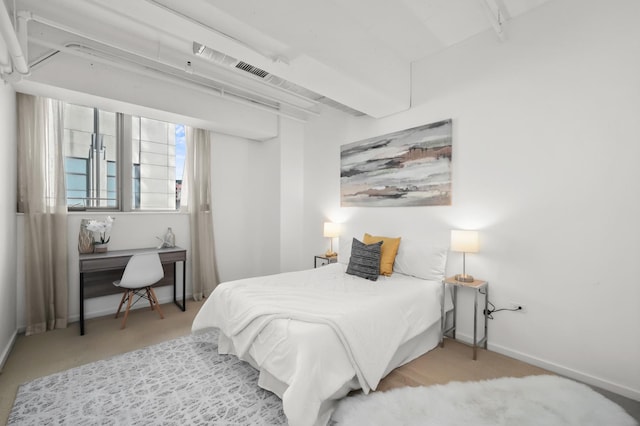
(442, 316)
(486, 309)
(455, 311)
(475, 325)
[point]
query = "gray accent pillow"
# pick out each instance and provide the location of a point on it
(365, 260)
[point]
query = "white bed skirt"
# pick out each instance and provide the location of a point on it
(407, 352)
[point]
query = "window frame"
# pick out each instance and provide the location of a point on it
(125, 190)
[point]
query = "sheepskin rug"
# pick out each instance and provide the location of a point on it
(528, 401)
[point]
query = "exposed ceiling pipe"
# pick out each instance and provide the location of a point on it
(18, 57)
(22, 22)
(496, 16)
(62, 27)
(5, 59)
(150, 72)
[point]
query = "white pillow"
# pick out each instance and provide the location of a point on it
(421, 259)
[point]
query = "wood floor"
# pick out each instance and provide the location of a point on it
(454, 363)
(58, 350)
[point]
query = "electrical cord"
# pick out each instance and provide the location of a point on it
(492, 308)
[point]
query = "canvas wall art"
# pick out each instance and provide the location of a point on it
(406, 168)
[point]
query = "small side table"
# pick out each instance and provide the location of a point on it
(322, 260)
(476, 285)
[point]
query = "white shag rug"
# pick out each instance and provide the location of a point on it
(528, 401)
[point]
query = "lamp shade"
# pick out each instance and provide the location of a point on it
(464, 241)
(331, 230)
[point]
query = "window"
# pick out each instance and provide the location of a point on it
(98, 148)
(77, 175)
(91, 151)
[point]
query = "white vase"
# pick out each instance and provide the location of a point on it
(85, 238)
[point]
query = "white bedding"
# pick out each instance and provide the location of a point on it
(315, 330)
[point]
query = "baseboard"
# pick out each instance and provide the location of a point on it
(112, 310)
(7, 349)
(560, 369)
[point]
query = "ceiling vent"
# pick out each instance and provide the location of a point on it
(270, 79)
(251, 69)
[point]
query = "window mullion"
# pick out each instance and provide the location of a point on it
(97, 158)
(95, 171)
(125, 162)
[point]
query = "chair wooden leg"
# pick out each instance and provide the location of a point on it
(155, 299)
(149, 297)
(124, 295)
(126, 313)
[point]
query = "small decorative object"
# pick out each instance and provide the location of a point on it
(465, 242)
(169, 240)
(100, 231)
(85, 238)
(331, 231)
(100, 248)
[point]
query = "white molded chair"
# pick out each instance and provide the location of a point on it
(142, 271)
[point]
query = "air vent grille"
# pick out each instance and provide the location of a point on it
(251, 69)
(269, 79)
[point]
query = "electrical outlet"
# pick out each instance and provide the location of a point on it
(517, 307)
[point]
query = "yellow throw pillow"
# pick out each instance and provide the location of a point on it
(388, 253)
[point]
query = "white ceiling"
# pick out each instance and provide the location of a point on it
(356, 53)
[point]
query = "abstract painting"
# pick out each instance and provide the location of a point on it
(406, 168)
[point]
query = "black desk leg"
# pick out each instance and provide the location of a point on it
(174, 283)
(82, 304)
(183, 307)
(184, 285)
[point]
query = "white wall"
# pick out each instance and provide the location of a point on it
(291, 194)
(246, 210)
(323, 137)
(8, 173)
(545, 166)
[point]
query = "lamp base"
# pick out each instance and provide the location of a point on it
(464, 278)
(330, 253)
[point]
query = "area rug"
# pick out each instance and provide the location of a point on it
(186, 382)
(179, 382)
(529, 401)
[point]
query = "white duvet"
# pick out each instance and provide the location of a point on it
(315, 330)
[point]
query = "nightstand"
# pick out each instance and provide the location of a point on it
(322, 260)
(477, 286)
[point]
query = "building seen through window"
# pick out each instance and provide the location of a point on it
(99, 145)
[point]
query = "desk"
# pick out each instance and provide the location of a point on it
(104, 268)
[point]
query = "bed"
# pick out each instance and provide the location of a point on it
(317, 334)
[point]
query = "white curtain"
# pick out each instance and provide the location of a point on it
(42, 199)
(198, 191)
